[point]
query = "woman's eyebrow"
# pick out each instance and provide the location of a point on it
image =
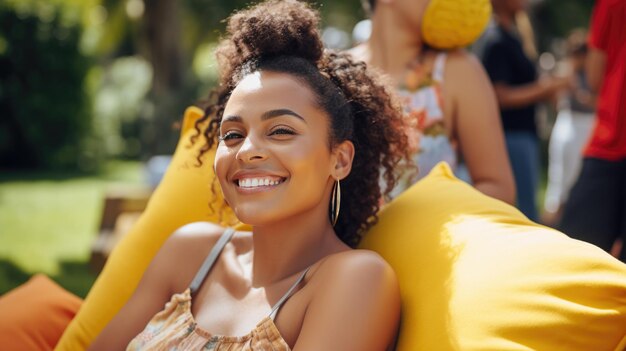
(280, 112)
(231, 119)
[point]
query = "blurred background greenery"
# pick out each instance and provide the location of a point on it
(91, 89)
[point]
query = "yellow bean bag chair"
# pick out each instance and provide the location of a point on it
(475, 274)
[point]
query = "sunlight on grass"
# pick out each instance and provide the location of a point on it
(47, 220)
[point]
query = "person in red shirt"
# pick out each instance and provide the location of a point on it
(596, 210)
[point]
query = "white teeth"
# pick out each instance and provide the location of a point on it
(257, 182)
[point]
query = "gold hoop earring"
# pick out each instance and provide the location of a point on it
(335, 203)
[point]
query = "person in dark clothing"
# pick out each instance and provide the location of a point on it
(518, 90)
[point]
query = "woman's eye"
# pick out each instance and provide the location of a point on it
(230, 135)
(282, 131)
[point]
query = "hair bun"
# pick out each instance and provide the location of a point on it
(276, 28)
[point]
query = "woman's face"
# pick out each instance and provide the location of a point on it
(274, 161)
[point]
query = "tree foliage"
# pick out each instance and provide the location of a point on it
(43, 105)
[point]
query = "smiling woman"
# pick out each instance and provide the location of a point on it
(302, 138)
(263, 143)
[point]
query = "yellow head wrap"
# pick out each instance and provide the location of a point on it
(450, 24)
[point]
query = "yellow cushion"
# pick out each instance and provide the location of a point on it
(182, 197)
(475, 274)
(450, 24)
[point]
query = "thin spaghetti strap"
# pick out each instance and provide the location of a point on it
(287, 295)
(210, 260)
(439, 67)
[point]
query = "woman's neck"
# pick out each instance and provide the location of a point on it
(393, 43)
(286, 248)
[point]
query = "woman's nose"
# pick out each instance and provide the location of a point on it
(251, 150)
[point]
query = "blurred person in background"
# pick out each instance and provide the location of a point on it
(445, 91)
(596, 209)
(571, 130)
(518, 91)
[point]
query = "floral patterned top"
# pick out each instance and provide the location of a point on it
(422, 99)
(175, 328)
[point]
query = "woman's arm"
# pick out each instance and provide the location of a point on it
(531, 93)
(161, 279)
(477, 126)
(585, 97)
(355, 307)
(497, 60)
(595, 66)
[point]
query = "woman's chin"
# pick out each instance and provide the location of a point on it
(255, 218)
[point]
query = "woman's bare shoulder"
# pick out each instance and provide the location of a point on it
(192, 234)
(356, 268)
(185, 250)
(463, 70)
(463, 65)
(459, 61)
(357, 258)
(197, 229)
(355, 304)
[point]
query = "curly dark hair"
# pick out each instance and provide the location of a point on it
(282, 36)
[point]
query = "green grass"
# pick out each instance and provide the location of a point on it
(48, 222)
